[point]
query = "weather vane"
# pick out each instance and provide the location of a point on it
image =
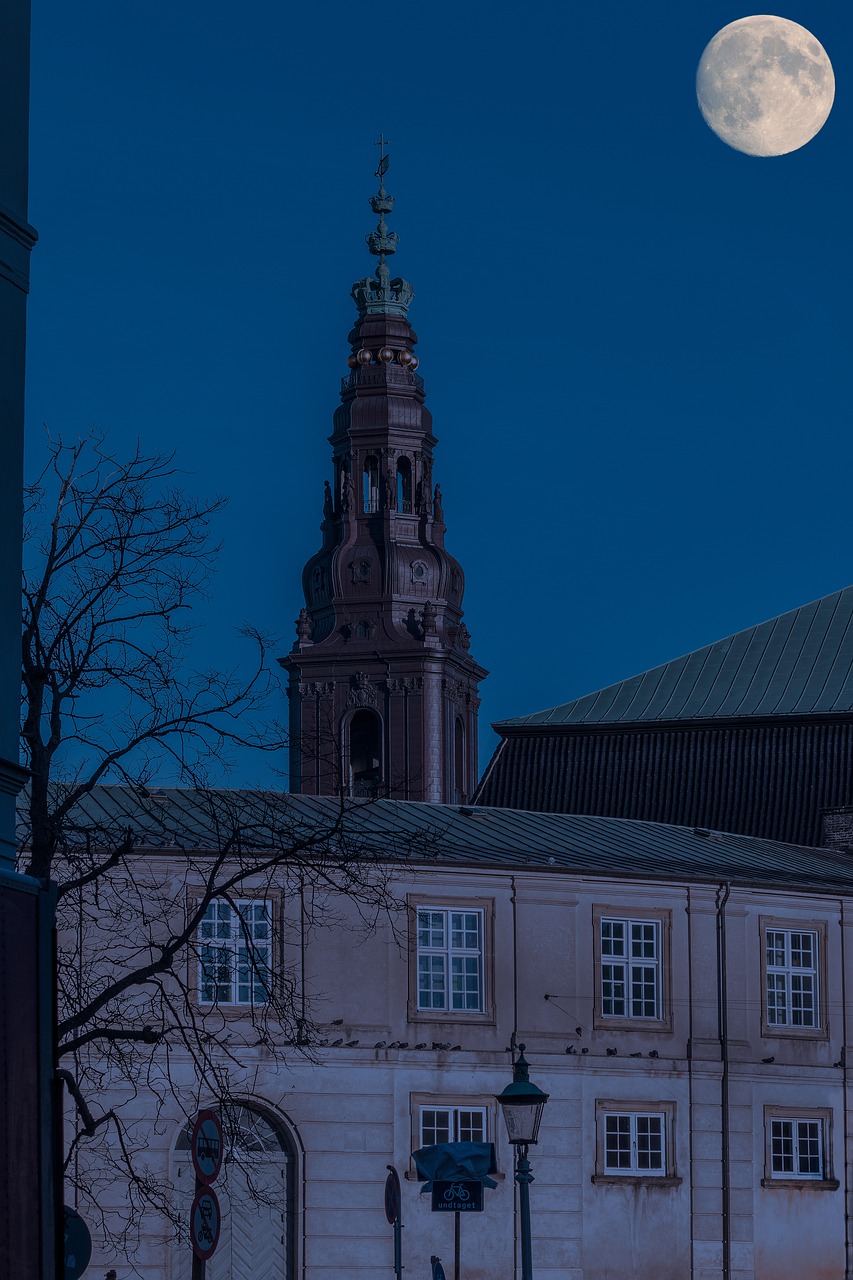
(383, 159)
(382, 294)
(382, 242)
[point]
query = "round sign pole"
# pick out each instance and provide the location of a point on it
(392, 1213)
(78, 1244)
(206, 1147)
(205, 1222)
(205, 1216)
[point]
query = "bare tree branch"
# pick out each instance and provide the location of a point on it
(117, 555)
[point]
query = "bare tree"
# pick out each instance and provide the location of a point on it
(116, 556)
(146, 979)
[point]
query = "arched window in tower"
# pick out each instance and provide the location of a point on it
(460, 770)
(371, 484)
(404, 485)
(365, 754)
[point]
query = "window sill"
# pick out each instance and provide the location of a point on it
(226, 1010)
(774, 1032)
(605, 1022)
(802, 1184)
(412, 1175)
(634, 1180)
(438, 1016)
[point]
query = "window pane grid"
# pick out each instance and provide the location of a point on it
(452, 1124)
(235, 953)
(634, 1143)
(450, 960)
(630, 987)
(791, 978)
(796, 1148)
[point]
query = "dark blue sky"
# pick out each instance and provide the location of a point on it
(635, 340)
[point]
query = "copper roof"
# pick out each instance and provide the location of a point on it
(798, 664)
(390, 830)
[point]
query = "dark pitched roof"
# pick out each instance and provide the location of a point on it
(800, 663)
(447, 834)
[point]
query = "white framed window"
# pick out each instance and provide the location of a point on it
(796, 1147)
(235, 952)
(630, 968)
(450, 973)
(635, 1141)
(452, 1124)
(791, 977)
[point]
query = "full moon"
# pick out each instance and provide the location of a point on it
(765, 85)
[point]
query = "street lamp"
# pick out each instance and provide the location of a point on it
(522, 1104)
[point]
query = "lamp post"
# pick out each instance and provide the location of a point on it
(522, 1104)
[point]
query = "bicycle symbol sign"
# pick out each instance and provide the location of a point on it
(458, 1196)
(457, 1191)
(204, 1222)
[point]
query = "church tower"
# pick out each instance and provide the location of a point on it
(381, 682)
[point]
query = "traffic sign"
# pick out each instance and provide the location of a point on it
(77, 1244)
(206, 1146)
(205, 1221)
(457, 1197)
(392, 1196)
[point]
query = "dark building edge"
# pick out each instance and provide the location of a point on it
(772, 778)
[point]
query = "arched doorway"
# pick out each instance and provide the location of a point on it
(257, 1196)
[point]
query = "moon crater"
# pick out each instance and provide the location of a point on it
(765, 85)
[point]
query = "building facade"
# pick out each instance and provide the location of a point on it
(682, 999)
(382, 685)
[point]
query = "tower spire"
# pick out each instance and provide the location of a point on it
(383, 687)
(382, 294)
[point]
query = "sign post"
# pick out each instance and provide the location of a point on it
(392, 1213)
(457, 1197)
(205, 1215)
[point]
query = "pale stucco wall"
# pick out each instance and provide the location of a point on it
(351, 1113)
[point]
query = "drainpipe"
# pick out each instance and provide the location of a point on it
(512, 1043)
(690, 1109)
(514, 900)
(842, 922)
(723, 1030)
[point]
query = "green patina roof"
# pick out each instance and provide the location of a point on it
(798, 664)
(439, 835)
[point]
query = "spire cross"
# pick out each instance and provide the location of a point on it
(381, 144)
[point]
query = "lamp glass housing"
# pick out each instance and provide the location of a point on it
(522, 1119)
(522, 1104)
